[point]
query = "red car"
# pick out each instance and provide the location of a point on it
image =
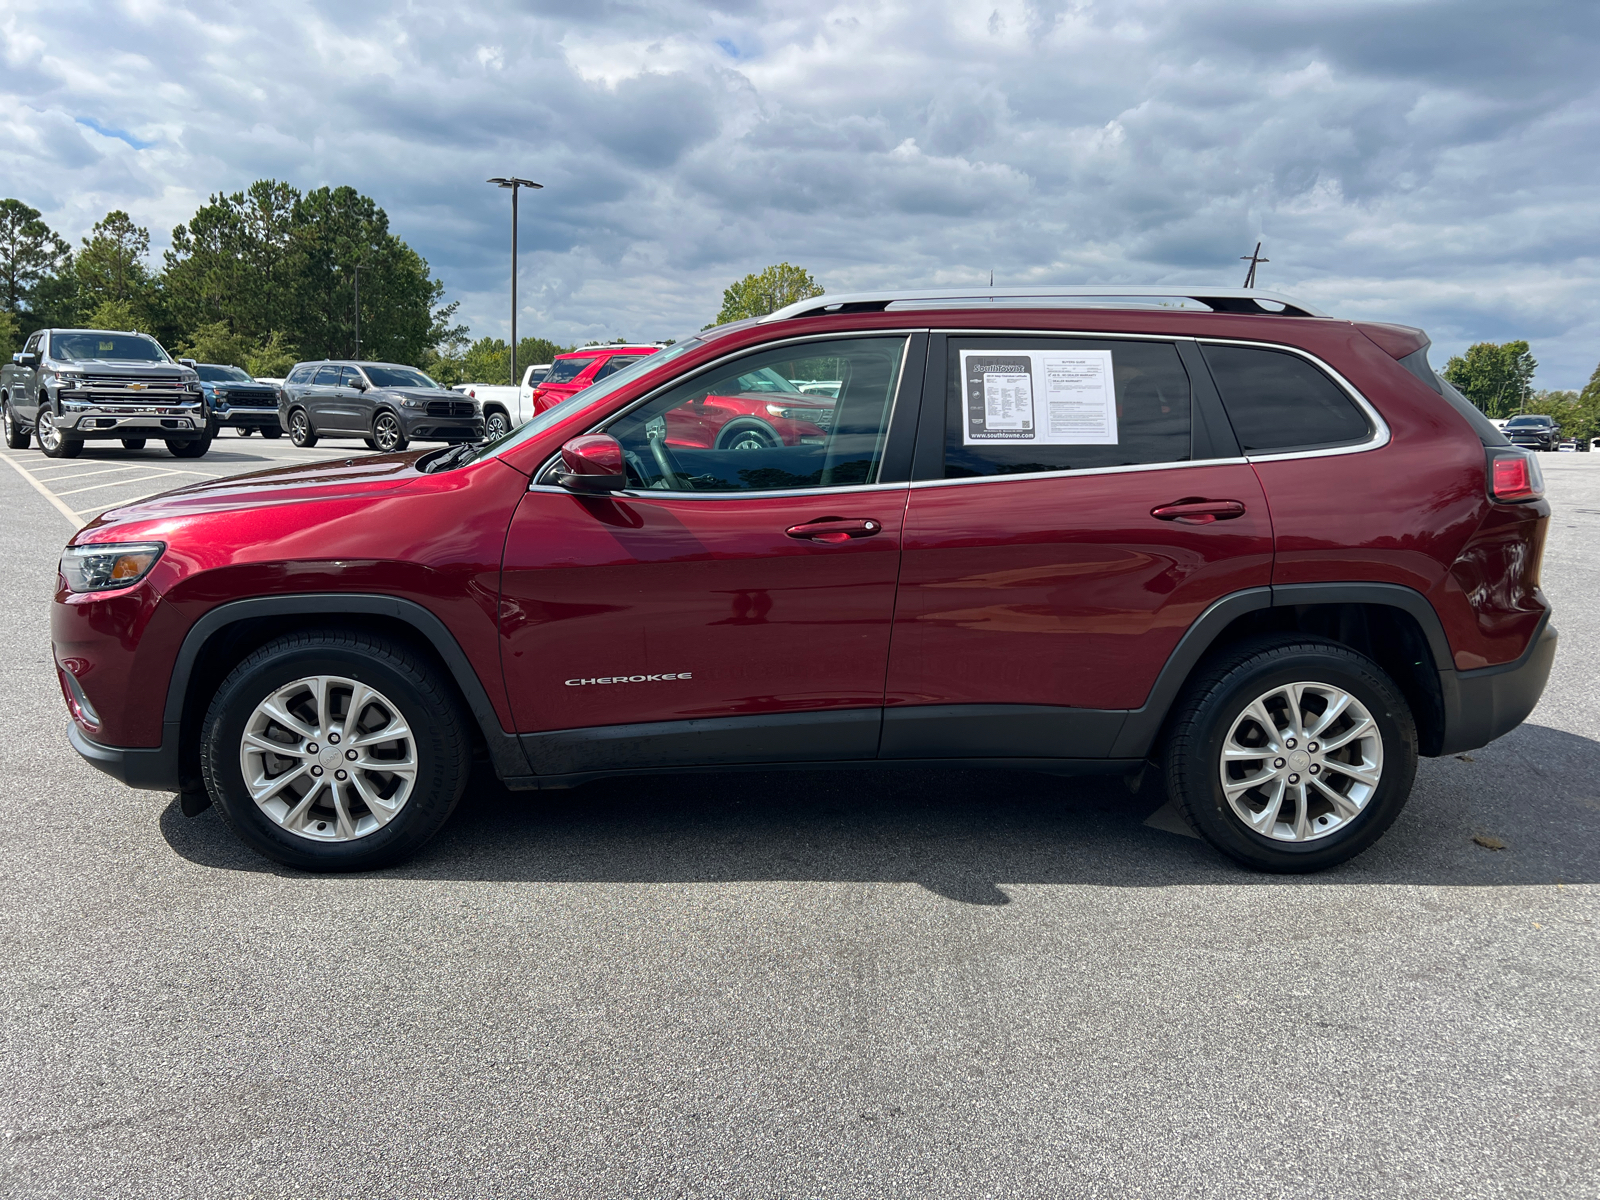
(1266, 549)
(570, 373)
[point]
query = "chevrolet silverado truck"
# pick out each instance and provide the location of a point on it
(66, 386)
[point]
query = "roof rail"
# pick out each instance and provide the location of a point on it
(1234, 300)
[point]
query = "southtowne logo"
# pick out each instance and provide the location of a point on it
(630, 679)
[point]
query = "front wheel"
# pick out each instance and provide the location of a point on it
(52, 440)
(17, 438)
(133, 443)
(1291, 755)
(270, 432)
(300, 431)
(748, 435)
(335, 751)
(495, 424)
(387, 434)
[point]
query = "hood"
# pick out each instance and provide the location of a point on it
(349, 478)
(424, 393)
(113, 366)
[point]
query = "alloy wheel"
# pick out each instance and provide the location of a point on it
(328, 758)
(495, 425)
(49, 434)
(1301, 762)
(386, 432)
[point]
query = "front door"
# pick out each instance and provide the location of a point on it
(320, 398)
(732, 606)
(25, 383)
(1074, 512)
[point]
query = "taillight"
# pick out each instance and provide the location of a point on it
(1514, 475)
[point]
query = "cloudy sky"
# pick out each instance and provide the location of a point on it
(1425, 161)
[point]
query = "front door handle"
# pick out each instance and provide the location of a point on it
(835, 530)
(1195, 511)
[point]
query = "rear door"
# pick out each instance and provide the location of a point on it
(731, 606)
(1077, 503)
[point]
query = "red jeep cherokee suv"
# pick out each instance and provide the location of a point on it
(1270, 551)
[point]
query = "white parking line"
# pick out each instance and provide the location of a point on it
(95, 487)
(46, 493)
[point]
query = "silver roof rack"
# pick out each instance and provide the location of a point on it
(1234, 300)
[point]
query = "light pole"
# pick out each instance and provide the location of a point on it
(358, 311)
(514, 183)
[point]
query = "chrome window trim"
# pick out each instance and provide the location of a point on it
(1379, 437)
(1019, 476)
(645, 493)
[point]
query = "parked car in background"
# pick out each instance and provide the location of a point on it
(570, 373)
(505, 407)
(1534, 430)
(67, 386)
(236, 401)
(1266, 549)
(386, 405)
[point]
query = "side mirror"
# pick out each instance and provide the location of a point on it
(593, 465)
(26, 358)
(187, 362)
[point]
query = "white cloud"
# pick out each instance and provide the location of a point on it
(1427, 161)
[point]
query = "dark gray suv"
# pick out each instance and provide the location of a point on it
(387, 405)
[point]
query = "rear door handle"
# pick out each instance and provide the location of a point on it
(835, 530)
(1195, 511)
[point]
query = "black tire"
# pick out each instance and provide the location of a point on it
(52, 441)
(271, 432)
(387, 435)
(133, 443)
(748, 434)
(1219, 694)
(427, 703)
(243, 431)
(301, 432)
(189, 447)
(17, 438)
(496, 423)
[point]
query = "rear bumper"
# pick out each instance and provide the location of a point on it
(153, 770)
(1480, 706)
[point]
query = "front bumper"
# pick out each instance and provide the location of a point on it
(166, 420)
(152, 770)
(420, 427)
(1482, 705)
(246, 418)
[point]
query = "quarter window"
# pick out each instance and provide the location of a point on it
(1278, 401)
(614, 364)
(565, 370)
(750, 425)
(1017, 406)
(301, 375)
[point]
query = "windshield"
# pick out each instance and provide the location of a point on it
(1519, 421)
(590, 395)
(122, 347)
(565, 370)
(399, 377)
(211, 373)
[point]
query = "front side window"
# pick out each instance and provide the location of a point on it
(34, 343)
(745, 426)
(327, 377)
(1019, 406)
(350, 377)
(115, 347)
(1278, 401)
(565, 370)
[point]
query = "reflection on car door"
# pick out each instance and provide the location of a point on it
(1045, 584)
(741, 614)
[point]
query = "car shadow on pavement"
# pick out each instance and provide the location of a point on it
(1525, 810)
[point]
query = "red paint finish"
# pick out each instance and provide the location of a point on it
(762, 621)
(1066, 590)
(595, 359)
(375, 526)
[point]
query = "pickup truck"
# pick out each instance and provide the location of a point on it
(505, 407)
(66, 386)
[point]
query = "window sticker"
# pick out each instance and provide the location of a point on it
(1042, 397)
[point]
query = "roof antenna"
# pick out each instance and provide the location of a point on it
(1253, 260)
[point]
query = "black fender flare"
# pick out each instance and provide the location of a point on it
(505, 751)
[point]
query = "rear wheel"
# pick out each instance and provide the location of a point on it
(133, 443)
(243, 431)
(387, 434)
(270, 432)
(748, 435)
(17, 438)
(301, 432)
(1291, 756)
(52, 440)
(335, 751)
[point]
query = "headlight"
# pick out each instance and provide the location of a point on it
(414, 402)
(110, 565)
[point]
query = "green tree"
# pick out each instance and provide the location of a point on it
(273, 357)
(10, 334)
(116, 314)
(766, 291)
(488, 360)
(217, 343)
(1496, 378)
(111, 265)
(30, 252)
(1577, 413)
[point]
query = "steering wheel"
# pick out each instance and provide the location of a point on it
(655, 432)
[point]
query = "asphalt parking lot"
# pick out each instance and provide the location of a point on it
(852, 984)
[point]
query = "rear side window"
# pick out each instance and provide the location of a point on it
(614, 364)
(1017, 406)
(1278, 401)
(565, 370)
(327, 377)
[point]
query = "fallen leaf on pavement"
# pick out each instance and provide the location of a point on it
(1487, 842)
